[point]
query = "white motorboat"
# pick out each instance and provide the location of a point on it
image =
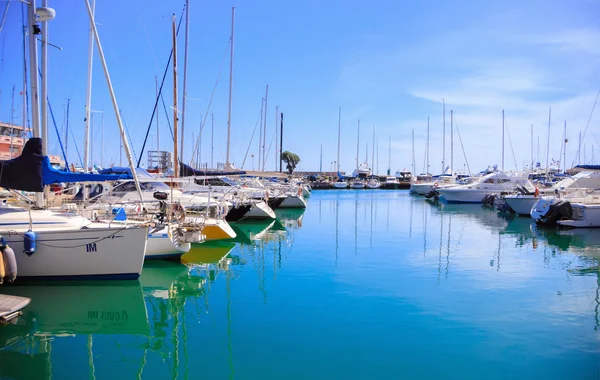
(421, 184)
(390, 183)
(552, 209)
(523, 201)
(496, 183)
(425, 186)
(584, 215)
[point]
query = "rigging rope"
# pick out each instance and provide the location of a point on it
(587, 126)
(4, 16)
(167, 115)
(511, 145)
(210, 102)
(159, 92)
(250, 143)
(461, 145)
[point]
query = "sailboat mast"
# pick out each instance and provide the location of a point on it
(33, 82)
(321, 162)
(185, 60)
(88, 100)
(413, 152)
(264, 161)
(175, 115)
(227, 163)
(427, 148)
(548, 146)
(531, 146)
(373, 154)
(390, 154)
(339, 135)
(116, 107)
(276, 136)
(452, 141)
(502, 140)
(260, 131)
(579, 150)
(212, 139)
(565, 149)
(443, 135)
(357, 146)
(157, 130)
(44, 87)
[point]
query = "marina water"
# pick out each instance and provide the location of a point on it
(363, 284)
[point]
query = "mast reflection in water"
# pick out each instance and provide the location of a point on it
(369, 284)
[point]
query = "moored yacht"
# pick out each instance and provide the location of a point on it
(496, 183)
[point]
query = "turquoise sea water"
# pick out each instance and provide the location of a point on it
(362, 285)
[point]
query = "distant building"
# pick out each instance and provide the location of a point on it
(12, 141)
(160, 160)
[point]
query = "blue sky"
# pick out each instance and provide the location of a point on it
(386, 63)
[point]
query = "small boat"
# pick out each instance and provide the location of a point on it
(390, 183)
(340, 184)
(373, 183)
(11, 306)
(358, 184)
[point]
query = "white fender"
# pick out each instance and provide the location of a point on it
(10, 264)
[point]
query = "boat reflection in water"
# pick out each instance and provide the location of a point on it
(60, 312)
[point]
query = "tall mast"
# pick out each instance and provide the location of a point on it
(175, 115)
(185, 60)
(531, 146)
(264, 161)
(377, 170)
(227, 163)
(45, 86)
(339, 136)
(102, 143)
(390, 153)
(33, 82)
(413, 152)
(357, 146)
(321, 161)
(451, 141)
(373, 154)
(157, 130)
(276, 136)
(548, 146)
(116, 107)
(565, 149)
(427, 148)
(502, 140)
(579, 150)
(212, 139)
(443, 135)
(12, 121)
(88, 100)
(260, 132)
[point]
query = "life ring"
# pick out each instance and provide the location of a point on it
(436, 185)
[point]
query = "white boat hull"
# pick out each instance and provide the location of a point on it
(421, 188)
(374, 185)
(91, 253)
(584, 216)
(340, 185)
(260, 210)
(357, 186)
(162, 245)
(293, 201)
(521, 204)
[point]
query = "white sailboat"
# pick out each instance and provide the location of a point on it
(50, 245)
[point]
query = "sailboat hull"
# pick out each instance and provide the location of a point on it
(91, 253)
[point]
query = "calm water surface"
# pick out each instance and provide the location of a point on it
(363, 284)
